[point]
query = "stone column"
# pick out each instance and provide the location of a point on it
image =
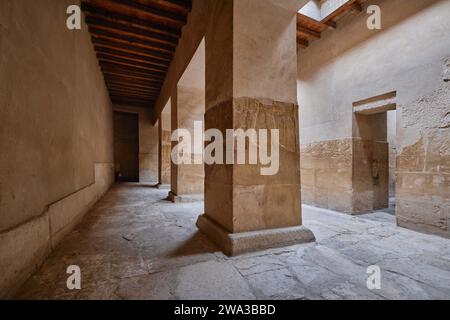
(187, 106)
(251, 83)
(164, 150)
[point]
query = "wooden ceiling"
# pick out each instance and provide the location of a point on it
(309, 29)
(135, 41)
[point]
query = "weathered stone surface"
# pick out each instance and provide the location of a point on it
(276, 284)
(198, 282)
(326, 177)
(337, 175)
(166, 150)
(165, 257)
(158, 286)
(56, 123)
(329, 84)
(423, 192)
(241, 242)
(187, 106)
(370, 175)
(245, 200)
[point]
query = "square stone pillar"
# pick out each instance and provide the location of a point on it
(251, 83)
(164, 150)
(187, 107)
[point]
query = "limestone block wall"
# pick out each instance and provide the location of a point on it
(326, 174)
(354, 63)
(392, 142)
(56, 133)
(423, 176)
(187, 107)
(148, 144)
(166, 147)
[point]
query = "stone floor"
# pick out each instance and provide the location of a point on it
(136, 245)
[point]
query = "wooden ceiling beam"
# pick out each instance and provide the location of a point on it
(357, 7)
(336, 13)
(120, 99)
(135, 42)
(302, 31)
(185, 5)
(131, 40)
(119, 93)
(136, 98)
(132, 21)
(131, 71)
(133, 104)
(302, 43)
(131, 31)
(131, 49)
(131, 95)
(130, 79)
(331, 24)
(129, 63)
(164, 16)
(122, 86)
(310, 23)
(133, 86)
(139, 100)
(120, 73)
(132, 56)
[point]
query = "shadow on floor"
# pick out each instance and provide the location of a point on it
(197, 244)
(133, 185)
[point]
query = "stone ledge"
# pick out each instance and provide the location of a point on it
(236, 243)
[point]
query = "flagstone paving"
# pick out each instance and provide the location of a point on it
(136, 245)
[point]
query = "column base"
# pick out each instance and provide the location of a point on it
(185, 198)
(236, 243)
(162, 186)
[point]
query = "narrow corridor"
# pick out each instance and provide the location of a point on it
(135, 245)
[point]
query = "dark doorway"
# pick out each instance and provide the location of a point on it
(126, 146)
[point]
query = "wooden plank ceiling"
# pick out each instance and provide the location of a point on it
(309, 29)
(135, 41)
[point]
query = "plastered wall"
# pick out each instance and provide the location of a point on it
(410, 55)
(56, 156)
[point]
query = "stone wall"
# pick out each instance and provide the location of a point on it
(55, 133)
(166, 147)
(423, 176)
(148, 144)
(353, 63)
(392, 141)
(187, 107)
(326, 174)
